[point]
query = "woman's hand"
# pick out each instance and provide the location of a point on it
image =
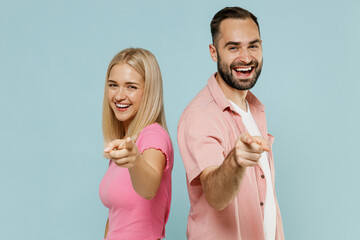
(145, 169)
(123, 152)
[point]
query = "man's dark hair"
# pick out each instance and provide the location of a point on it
(229, 12)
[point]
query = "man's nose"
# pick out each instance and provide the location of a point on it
(244, 56)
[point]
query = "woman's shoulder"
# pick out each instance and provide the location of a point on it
(155, 136)
(154, 129)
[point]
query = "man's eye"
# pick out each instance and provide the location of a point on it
(112, 85)
(253, 46)
(233, 48)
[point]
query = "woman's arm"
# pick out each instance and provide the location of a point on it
(106, 227)
(146, 174)
(145, 169)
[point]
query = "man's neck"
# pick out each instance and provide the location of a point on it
(234, 95)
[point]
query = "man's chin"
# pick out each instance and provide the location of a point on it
(244, 84)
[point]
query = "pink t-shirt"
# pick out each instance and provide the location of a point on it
(130, 215)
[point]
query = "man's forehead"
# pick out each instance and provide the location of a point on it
(238, 30)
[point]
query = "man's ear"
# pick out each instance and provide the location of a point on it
(213, 53)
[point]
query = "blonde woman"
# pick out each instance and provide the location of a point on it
(137, 185)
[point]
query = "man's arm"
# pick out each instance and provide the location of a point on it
(222, 183)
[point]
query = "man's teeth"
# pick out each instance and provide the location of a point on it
(243, 69)
(122, 105)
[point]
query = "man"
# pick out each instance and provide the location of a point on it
(223, 140)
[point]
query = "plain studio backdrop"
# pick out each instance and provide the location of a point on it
(53, 60)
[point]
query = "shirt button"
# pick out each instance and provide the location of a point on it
(262, 176)
(261, 203)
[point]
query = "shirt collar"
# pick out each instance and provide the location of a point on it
(221, 100)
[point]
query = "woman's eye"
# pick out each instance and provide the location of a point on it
(132, 87)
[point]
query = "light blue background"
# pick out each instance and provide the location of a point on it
(53, 59)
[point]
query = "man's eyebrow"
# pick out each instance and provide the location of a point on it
(232, 43)
(238, 43)
(255, 41)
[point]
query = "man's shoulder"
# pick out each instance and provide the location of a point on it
(202, 105)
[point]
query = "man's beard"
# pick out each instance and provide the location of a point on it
(243, 84)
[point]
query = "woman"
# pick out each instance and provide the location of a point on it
(137, 185)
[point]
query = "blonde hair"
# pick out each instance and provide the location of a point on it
(151, 109)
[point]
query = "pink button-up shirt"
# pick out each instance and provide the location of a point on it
(207, 131)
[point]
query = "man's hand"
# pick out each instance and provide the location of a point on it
(248, 150)
(222, 183)
(123, 152)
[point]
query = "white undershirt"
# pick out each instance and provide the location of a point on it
(270, 207)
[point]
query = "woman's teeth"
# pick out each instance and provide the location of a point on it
(122, 105)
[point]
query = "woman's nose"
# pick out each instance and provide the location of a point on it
(120, 95)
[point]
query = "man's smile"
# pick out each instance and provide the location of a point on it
(244, 72)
